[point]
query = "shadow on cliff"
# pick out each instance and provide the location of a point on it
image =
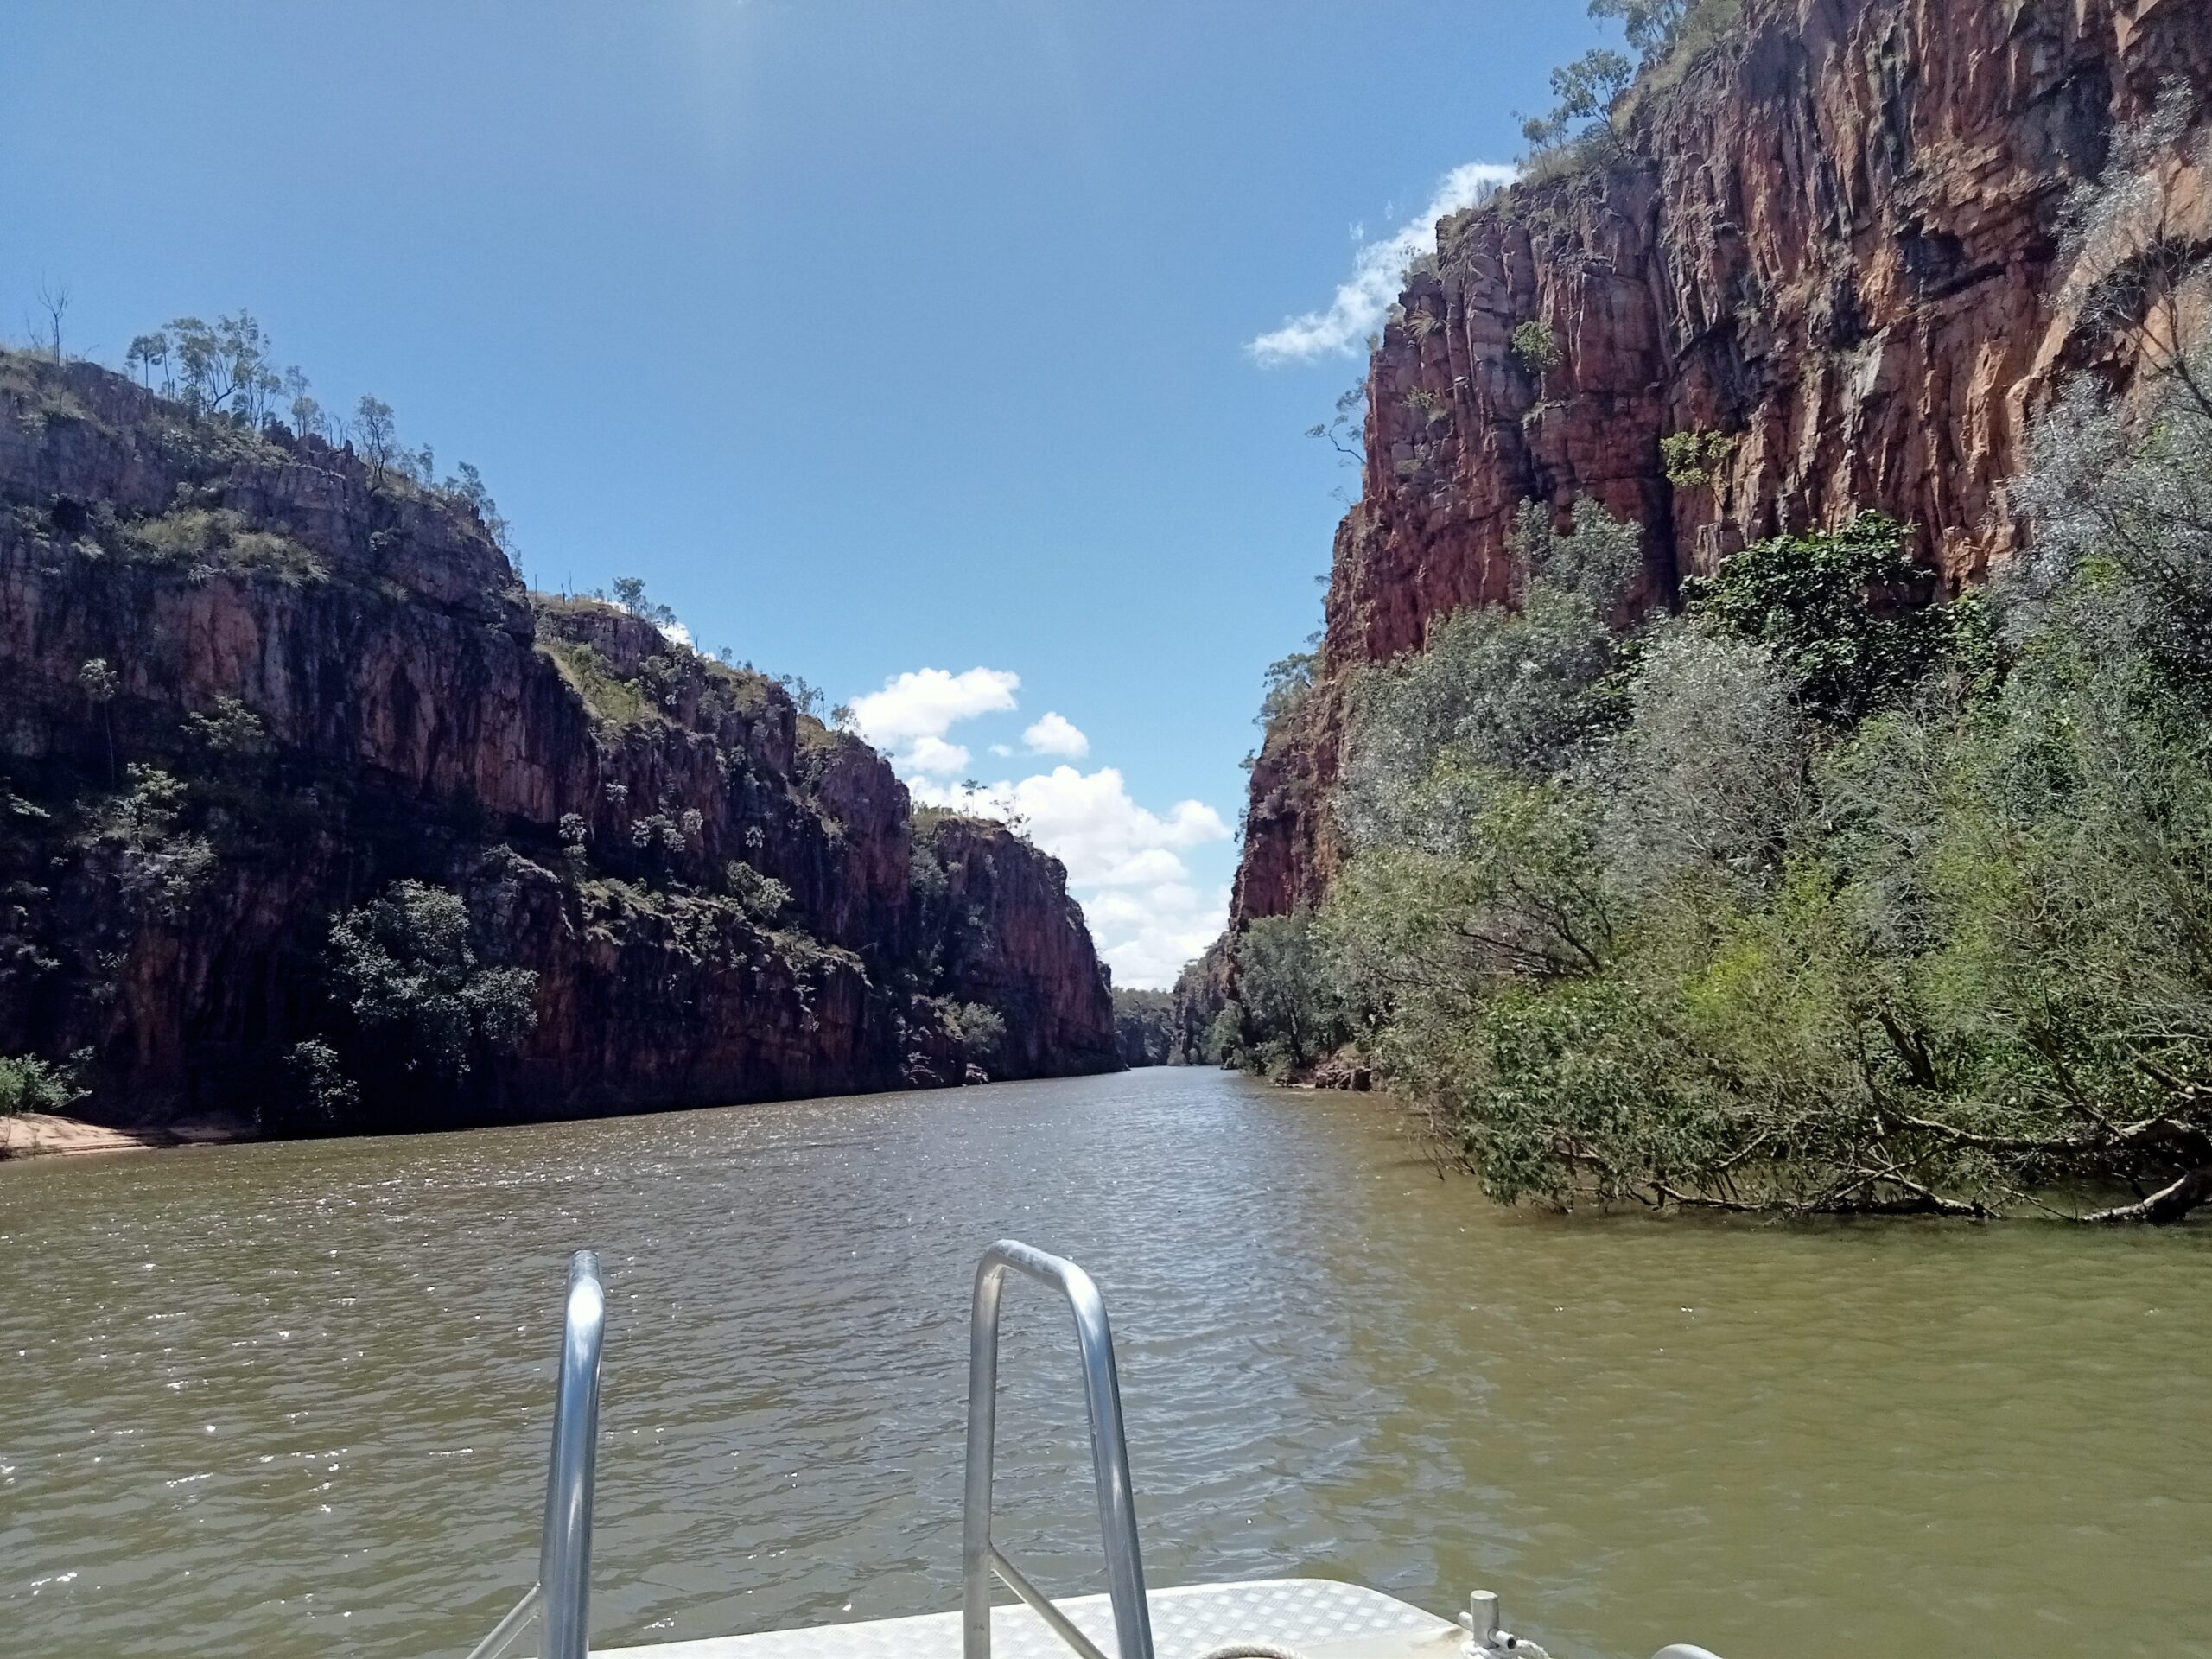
(252, 682)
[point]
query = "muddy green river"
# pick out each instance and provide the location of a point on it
(292, 1399)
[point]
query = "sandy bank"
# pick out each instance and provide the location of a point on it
(31, 1134)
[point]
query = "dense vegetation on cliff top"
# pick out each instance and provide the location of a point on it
(1824, 896)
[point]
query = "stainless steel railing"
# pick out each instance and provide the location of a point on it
(561, 1596)
(1109, 1459)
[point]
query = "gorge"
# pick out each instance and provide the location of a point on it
(1753, 757)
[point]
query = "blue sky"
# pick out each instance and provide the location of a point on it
(879, 337)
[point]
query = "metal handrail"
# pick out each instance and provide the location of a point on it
(561, 1596)
(1109, 1457)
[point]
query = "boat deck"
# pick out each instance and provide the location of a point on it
(1319, 1619)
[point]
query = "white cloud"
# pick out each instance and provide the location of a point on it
(927, 701)
(935, 756)
(1089, 823)
(677, 631)
(1148, 933)
(1123, 862)
(909, 716)
(1057, 734)
(1377, 273)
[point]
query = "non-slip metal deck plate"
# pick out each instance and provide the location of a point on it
(1186, 1621)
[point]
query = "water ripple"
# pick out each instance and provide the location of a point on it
(294, 1399)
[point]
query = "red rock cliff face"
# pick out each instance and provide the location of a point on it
(1835, 241)
(1006, 934)
(586, 786)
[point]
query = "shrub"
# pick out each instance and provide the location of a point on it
(215, 537)
(30, 1084)
(1434, 408)
(608, 697)
(762, 898)
(978, 1027)
(157, 865)
(1535, 344)
(411, 977)
(1845, 613)
(1692, 459)
(1508, 691)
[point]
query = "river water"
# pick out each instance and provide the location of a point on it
(292, 1399)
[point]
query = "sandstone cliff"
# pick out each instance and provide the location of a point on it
(715, 893)
(1834, 243)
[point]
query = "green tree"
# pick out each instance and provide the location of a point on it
(1292, 1013)
(1709, 780)
(156, 864)
(1512, 691)
(467, 487)
(146, 354)
(978, 1028)
(222, 367)
(1284, 685)
(375, 432)
(28, 1084)
(1845, 612)
(316, 1094)
(1827, 915)
(1652, 26)
(101, 683)
(629, 594)
(1585, 91)
(1346, 430)
(228, 729)
(408, 973)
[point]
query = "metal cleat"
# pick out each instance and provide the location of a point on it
(1486, 1637)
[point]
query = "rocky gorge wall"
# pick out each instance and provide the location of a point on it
(1835, 242)
(343, 683)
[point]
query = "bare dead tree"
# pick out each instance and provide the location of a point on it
(54, 301)
(2133, 265)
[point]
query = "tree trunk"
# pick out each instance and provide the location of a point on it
(2168, 1204)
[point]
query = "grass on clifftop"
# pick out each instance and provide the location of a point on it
(612, 700)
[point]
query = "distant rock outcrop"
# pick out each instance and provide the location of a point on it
(1144, 1027)
(715, 893)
